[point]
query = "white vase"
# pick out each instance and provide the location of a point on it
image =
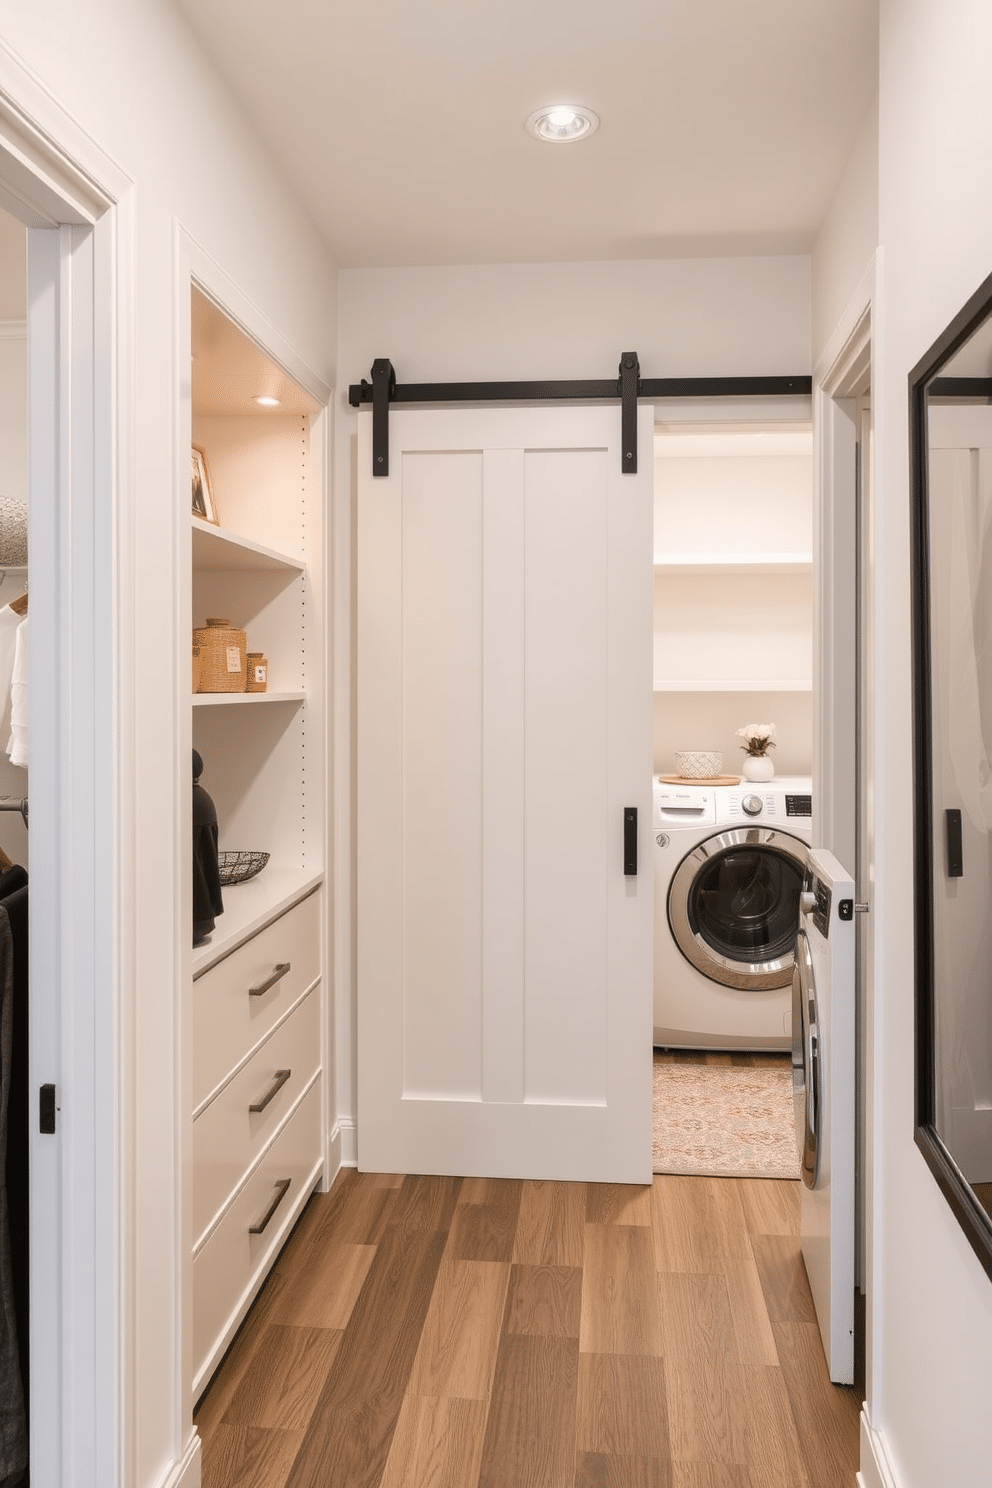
(757, 767)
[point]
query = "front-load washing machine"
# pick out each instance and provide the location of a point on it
(730, 862)
(823, 1084)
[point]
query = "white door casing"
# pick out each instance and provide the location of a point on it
(77, 203)
(74, 1341)
(504, 723)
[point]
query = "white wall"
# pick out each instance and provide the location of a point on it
(931, 1344)
(129, 74)
(684, 317)
(848, 235)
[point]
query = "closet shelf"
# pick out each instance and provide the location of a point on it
(760, 563)
(217, 551)
(733, 684)
(245, 699)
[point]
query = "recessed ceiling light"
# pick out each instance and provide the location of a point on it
(561, 123)
(265, 401)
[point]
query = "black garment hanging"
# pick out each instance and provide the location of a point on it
(207, 899)
(13, 1157)
(14, 900)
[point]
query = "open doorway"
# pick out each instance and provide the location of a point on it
(733, 740)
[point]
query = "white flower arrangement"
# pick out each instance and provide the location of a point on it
(758, 738)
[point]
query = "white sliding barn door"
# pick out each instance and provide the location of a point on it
(504, 723)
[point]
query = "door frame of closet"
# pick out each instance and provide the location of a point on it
(77, 205)
(846, 746)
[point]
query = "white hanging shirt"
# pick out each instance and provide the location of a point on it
(10, 623)
(17, 749)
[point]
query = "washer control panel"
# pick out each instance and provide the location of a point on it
(776, 803)
(749, 802)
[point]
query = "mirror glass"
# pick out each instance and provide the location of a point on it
(951, 428)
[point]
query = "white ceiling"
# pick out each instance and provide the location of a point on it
(726, 124)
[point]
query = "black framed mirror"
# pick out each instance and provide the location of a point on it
(950, 406)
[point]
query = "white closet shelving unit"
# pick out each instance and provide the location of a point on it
(733, 592)
(257, 1063)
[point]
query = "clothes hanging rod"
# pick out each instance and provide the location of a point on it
(628, 386)
(9, 803)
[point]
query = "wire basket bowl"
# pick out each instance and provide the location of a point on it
(238, 867)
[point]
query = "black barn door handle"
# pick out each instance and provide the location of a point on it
(955, 854)
(630, 841)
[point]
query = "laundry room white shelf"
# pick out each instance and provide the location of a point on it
(733, 684)
(701, 563)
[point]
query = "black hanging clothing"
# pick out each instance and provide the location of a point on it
(207, 899)
(13, 1421)
(14, 899)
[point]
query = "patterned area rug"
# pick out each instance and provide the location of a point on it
(722, 1122)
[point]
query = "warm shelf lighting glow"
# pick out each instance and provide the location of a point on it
(265, 401)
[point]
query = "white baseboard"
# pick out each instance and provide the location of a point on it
(332, 1166)
(876, 1470)
(185, 1474)
(345, 1138)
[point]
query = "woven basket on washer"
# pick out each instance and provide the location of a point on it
(698, 764)
(223, 656)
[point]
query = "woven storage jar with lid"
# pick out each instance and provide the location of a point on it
(223, 656)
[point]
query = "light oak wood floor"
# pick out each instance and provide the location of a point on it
(482, 1333)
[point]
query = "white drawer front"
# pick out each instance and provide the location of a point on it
(232, 1263)
(228, 1135)
(232, 1012)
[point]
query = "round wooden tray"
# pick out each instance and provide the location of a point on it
(700, 779)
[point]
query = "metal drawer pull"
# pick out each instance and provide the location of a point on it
(280, 1079)
(278, 972)
(282, 1189)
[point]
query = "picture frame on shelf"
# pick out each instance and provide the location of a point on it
(203, 504)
